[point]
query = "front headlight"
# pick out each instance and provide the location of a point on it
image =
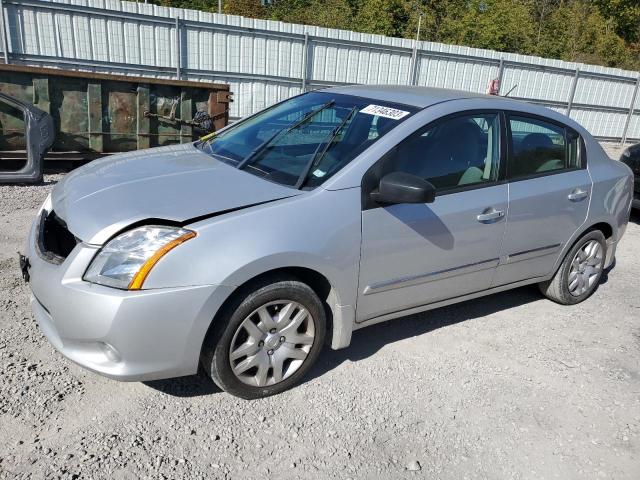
(125, 261)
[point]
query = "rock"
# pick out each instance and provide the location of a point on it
(414, 466)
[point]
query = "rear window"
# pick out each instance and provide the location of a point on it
(539, 147)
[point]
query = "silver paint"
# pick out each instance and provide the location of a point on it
(247, 226)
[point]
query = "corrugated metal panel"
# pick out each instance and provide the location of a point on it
(600, 124)
(604, 92)
(264, 60)
(537, 84)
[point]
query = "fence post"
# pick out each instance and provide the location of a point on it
(414, 55)
(500, 74)
(5, 43)
(414, 60)
(572, 91)
(305, 56)
(630, 115)
(178, 48)
(414, 76)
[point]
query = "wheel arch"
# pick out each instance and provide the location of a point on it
(339, 318)
(605, 227)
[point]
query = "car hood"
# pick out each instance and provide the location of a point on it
(179, 183)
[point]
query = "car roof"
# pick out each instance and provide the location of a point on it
(420, 97)
(423, 97)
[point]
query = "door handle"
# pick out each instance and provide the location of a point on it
(577, 195)
(489, 215)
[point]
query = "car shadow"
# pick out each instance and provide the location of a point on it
(422, 220)
(189, 386)
(368, 341)
(635, 216)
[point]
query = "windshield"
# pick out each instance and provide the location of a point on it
(305, 140)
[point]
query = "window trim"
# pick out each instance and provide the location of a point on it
(368, 204)
(508, 114)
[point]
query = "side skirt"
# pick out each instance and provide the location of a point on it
(450, 301)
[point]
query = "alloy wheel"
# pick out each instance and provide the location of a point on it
(586, 267)
(272, 343)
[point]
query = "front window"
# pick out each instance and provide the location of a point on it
(304, 141)
(456, 152)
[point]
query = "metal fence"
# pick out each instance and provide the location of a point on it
(267, 61)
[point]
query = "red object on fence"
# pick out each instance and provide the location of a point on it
(493, 88)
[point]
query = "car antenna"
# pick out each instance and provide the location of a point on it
(512, 89)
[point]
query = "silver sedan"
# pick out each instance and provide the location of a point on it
(331, 211)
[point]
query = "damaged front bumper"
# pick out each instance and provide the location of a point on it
(125, 335)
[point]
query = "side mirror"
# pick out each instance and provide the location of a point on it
(401, 187)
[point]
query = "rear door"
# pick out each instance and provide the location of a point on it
(549, 191)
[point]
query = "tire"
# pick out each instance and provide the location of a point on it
(586, 273)
(233, 344)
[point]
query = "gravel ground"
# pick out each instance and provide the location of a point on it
(509, 386)
(614, 150)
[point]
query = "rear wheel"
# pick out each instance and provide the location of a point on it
(580, 271)
(266, 340)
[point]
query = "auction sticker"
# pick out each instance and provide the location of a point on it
(386, 112)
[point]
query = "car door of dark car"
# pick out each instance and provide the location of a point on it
(631, 157)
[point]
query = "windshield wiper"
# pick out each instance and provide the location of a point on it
(317, 155)
(301, 121)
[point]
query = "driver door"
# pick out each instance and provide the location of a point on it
(416, 254)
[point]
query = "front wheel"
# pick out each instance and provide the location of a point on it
(266, 340)
(580, 271)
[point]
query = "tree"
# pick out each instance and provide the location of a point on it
(577, 31)
(626, 17)
(332, 14)
(495, 24)
(383, 17)
(435, 14)
(204, 5)
(541, 11)
(323, 13)
(246, 8)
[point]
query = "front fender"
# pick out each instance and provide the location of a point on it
(319, 230)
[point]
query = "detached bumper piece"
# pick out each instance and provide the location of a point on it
(38, 138)
(24, 266)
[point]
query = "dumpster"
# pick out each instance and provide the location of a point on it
(96, 114)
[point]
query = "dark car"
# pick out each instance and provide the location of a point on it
(631, 156)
